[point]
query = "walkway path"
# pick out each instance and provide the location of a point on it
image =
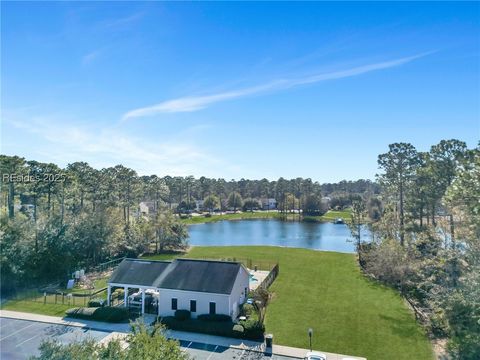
(119, 329)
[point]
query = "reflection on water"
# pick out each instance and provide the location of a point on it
(319, 236)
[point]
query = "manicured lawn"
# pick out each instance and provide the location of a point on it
(325, 291)
(237, 216)
(36, 307)
(329, 216)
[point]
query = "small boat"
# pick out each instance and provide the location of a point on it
(339, 221)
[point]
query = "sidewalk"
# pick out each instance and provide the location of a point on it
(118, 330)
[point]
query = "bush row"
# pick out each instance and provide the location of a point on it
(249, 329)
(106, 313)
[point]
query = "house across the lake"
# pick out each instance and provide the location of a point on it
(200, 286)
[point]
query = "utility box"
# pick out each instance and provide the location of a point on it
(269, 340)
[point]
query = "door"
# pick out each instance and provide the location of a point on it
(213, 308)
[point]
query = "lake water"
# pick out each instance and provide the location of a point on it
(318, 236)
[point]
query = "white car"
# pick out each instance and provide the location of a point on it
(314, 355)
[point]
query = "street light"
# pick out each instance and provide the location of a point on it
(310, 333)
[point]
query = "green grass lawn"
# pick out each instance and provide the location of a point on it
(329, 216)
(332, 214)
(237, 216)
(36, 307)
(326, 291)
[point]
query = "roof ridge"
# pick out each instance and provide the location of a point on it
(147, 260)
(210, 260)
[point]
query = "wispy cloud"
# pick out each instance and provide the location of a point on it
(122, 21)
(105, 146)
(194, 103)
(91, 56)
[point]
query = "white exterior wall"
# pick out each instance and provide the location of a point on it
(183, 302)
(238, 295)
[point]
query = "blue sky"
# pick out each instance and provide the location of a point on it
(237, 90)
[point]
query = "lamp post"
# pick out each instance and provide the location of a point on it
(310, 333)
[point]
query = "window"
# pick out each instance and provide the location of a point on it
(193, 305)
(174, 304)
(213, 308)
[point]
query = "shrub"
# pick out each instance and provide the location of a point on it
(253, 329)
(182, 315)
(220, 328)
(208, 215)
(214, 317)
(247, 309)
(118, 294)
(96, 303)
(238, 330)
(106, 313)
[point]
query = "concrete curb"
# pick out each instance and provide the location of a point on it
(257, 347)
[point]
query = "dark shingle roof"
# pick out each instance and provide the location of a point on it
(138, 272)
(211, 276)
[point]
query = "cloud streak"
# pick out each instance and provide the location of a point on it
(104, 147)
(195, 103)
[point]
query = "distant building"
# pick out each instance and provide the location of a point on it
(199, 205)
(326, 202)
(269, 204)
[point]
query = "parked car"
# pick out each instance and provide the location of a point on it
(314, 355)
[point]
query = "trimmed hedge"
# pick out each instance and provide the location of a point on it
(253, 329)
(214, 317)
(182, 315)
(238, 331)
(219, 328)
(106, 313)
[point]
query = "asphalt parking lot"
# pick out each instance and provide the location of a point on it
(20, 339)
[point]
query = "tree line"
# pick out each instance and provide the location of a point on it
(426, 239)
(55, 220)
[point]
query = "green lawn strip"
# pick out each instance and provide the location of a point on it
(326, 291)
(332, 214)
(238, 216)
(163, 256)
(329, 216)
(36, 307)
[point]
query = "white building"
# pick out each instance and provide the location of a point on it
(200, 286)
(269, 204)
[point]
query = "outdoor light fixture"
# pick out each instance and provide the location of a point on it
(310, 333)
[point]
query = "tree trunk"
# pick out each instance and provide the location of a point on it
(11, 200)
(402, 234)
(433, 215)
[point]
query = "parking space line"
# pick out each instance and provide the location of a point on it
(213, 352)
(15, 332)
(23, 342)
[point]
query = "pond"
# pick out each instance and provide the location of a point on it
(318, 236)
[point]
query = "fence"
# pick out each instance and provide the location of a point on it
(265, 284)
(108, 265)
(60, 298)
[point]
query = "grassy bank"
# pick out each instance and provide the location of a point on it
(329, 216)
(238, 216)
(326, 291)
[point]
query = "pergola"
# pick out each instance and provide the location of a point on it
(126, 288)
